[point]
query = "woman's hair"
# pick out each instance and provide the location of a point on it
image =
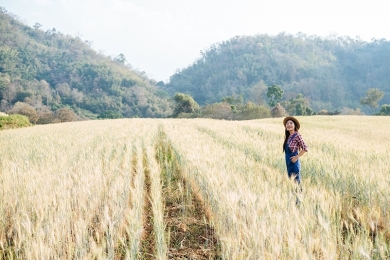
(287, 135)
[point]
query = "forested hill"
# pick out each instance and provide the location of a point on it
(332, 72)
(47, 71)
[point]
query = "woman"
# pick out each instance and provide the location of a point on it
(293, 147)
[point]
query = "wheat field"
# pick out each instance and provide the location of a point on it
(194, 189)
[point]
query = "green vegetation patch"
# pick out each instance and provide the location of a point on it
(13, 121)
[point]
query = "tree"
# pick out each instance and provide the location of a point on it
(9, 60)
(4, 81)
(275, 94)
(120, 58)
(218, 111)
(37, 26)
(233, 100)
(110, 114)
(25, 109)
(65, 115)
(278, 111)
(3, 104)
(63, 89)
(4, 86)
(385, 110)
(373, 96)
(46, 117)
(299, 106)
(257, 93)
(252, 111)
(77, 96)
(9, 92)
(45, 90)
(184, 104)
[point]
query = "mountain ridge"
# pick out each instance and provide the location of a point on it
(332, 72)
(50, 70)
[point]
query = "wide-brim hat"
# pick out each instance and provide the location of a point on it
(296, 122)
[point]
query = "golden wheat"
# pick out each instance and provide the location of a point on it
(82, 190)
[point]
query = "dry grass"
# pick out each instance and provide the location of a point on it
(78, 190)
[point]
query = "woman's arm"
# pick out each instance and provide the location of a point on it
(303, 148)
(296, 157)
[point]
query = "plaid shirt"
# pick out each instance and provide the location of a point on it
(296, 143)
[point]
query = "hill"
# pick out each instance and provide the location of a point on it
(48, 70)
(332, 72)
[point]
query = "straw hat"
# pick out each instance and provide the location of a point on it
(296, 122)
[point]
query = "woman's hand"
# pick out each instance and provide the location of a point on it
(295, 158)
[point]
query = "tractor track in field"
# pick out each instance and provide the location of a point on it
(148, 238)
(190, 236)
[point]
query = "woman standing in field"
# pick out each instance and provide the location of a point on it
(293, 147)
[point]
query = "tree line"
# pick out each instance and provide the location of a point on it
(331, 73)
(234, 108)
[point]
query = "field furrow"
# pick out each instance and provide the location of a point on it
(189, 232)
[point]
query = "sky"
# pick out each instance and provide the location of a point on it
(161, 36)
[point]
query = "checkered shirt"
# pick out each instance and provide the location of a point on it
(297, 143)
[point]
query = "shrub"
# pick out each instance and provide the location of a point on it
(252, 111)
(187, 115)
(278, 111)
(13, 121)
(47, 117)
(65, 115)
(25, 109)
(219, 111)
(110, 114)
(323, 112)
(350, 111)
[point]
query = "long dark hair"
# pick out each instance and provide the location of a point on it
(287, 135)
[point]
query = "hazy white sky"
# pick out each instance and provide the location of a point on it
(160, 36)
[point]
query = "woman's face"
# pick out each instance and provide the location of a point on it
(290, 126)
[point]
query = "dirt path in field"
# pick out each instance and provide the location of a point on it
(190, 236)
(148, 238)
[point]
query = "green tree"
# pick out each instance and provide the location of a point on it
(385, 110)
(253, 111)
(372, 97)
(184, 104)
(120, 58)
(110, 114)
(233, 100)
(37, 26)
(299, 106)
(275, 94)
(257, 93)
(8, 60)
